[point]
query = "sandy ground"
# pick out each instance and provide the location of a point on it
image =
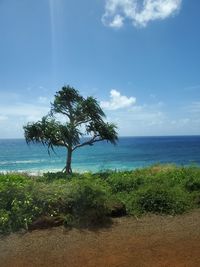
(150, 241)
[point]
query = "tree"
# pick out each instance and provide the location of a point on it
(83, 117)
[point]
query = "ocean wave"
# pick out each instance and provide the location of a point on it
(22, 162)
(30, 172)
(36, 172)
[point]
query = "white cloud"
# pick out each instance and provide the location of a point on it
(140, 12)
(139, 120)
(156, 119)
(23, 110)
(117, 101)
(117, 22)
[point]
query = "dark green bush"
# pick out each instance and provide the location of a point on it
(158, 199)
(88, 199)
(193, 184)
(52, 176)
(69, 220)
(124, 182)
(104, 174)
(5, 226)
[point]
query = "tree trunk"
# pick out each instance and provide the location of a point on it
(69, 161)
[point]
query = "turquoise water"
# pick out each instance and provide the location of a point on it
(130, 153)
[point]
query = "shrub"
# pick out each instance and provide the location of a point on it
(49, 198)
(11, 187)
(16, 201)
(158, 199)
(5, 226)
(88, 199)
(23, 200)
(54, 176)
(124, 182)
(193, 184)
(103, 174)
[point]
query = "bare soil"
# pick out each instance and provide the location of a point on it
(152, 240)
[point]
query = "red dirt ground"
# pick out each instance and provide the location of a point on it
(151, 241)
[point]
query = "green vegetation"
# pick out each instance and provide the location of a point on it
(89, 199)
(83, 116)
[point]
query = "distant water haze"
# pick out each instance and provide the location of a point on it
(129, 153)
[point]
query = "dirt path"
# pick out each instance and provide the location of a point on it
(151, 241)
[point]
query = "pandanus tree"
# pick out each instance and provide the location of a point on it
(83, 117)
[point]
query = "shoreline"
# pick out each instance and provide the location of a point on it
(33, 172)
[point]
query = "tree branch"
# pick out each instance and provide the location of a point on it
(62, 143)
(81, 122)
(62, 112)
(90, 142)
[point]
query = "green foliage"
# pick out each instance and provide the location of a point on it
(124, 182)
(5, 226)
(16, 201)
(87, 199)
(69, 221)
(52, 176)
(158, 199)
(48, 198)
(47, 131)
(23, 200)
(193, 185)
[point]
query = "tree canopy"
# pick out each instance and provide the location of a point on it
(83, 117)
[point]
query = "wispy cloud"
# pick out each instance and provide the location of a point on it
(153, 118)
(139, 119)
(14, 117)
(23, 110)
(117, 101)
(139, 12)
(194, 108)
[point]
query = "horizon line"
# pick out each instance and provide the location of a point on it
(121, 136)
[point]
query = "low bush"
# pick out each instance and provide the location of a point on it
(124, 182)
(5, 226)
(15, 202)
(158, 199)
(23, 200)
(52, 176)
(193, 184)
(87, 199)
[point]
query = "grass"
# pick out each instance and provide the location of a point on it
(88, 199)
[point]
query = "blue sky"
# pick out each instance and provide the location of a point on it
(140, 59)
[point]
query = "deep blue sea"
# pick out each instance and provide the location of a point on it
(129, 153)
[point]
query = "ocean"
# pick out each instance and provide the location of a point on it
(129, 153)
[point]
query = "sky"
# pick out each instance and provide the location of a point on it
(139, 58)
